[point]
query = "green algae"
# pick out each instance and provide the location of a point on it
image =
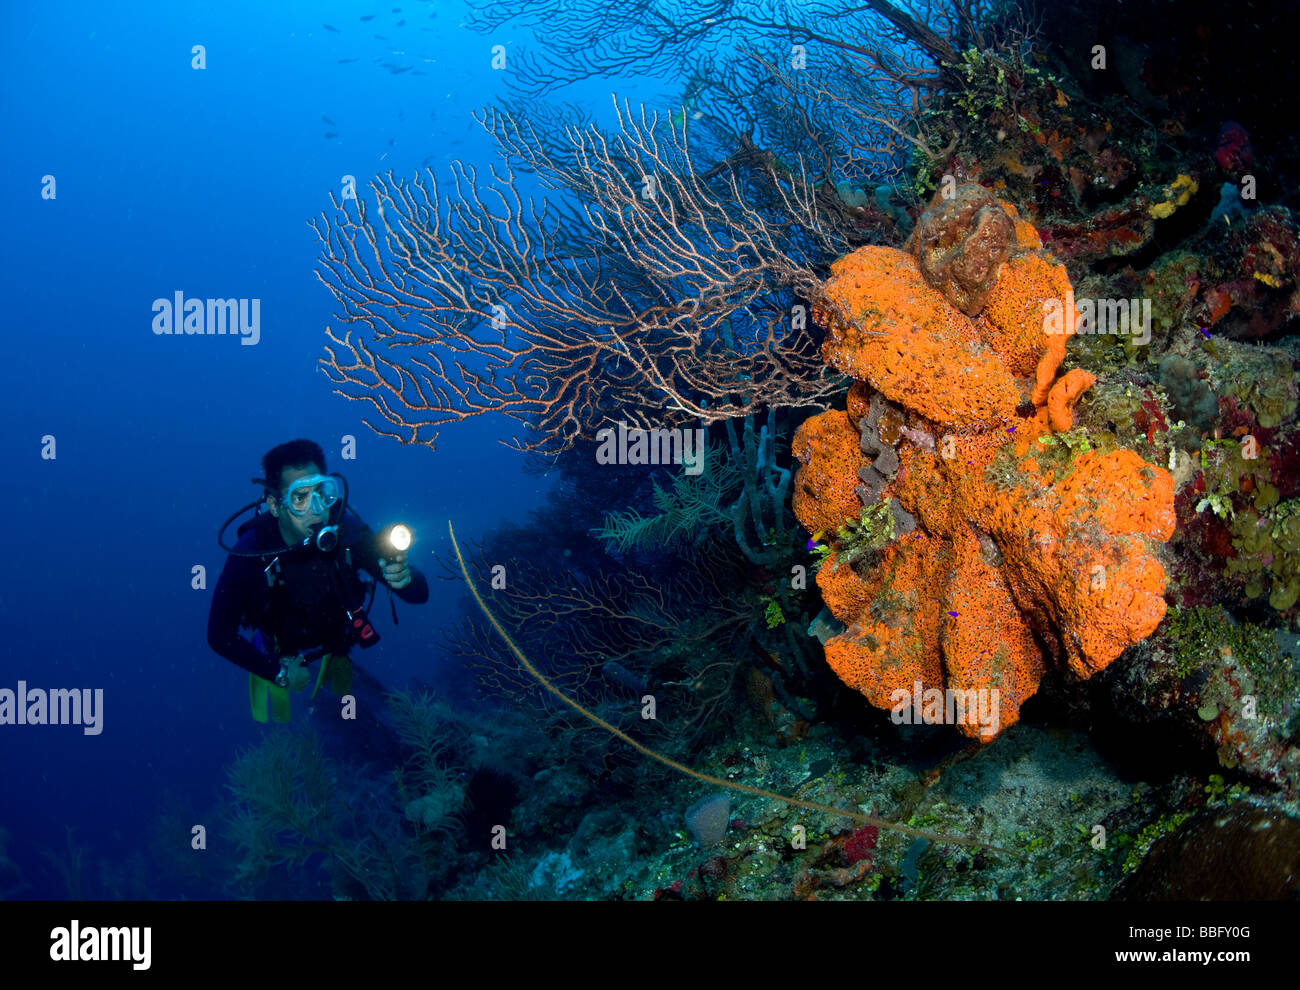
(1268, 547)
(1200, 634)
(1261, 379)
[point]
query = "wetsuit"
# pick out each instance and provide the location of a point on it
(306, 609)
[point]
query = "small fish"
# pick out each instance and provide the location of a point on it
(367, 17)
(397, 10)
(326, 120)
(380, 37)
(330, 134)
(330, 27)
(391, 142)
(401, 23)
(954, 614)
(345, 61)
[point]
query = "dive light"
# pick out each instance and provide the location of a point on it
(399, 537)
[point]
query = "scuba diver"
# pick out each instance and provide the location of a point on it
(295, 578)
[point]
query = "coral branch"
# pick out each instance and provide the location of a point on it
(642, 294)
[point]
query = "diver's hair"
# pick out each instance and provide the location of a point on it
(294, 454)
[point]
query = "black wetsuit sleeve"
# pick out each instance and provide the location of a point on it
(367, 552)
(231, 602)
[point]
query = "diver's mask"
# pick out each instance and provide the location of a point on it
(322, 495)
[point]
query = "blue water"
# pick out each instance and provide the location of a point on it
(174, 179)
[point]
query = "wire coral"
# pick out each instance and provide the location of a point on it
(1006, 550)
(859, 817)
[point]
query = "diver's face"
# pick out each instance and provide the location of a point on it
(296, 528)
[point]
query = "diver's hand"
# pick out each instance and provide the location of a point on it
(296, 674)
(397, 572)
